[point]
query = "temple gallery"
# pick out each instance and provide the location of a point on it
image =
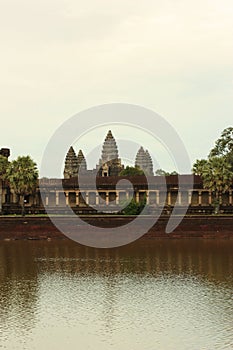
(160, 192)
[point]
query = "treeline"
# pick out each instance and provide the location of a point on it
(21, 174)
(217, 170)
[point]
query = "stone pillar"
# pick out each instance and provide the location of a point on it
(97, 198)
(157, 197)
(57, 198)
(230, 197)
(77, 198)
(67, 198)
(107, 198)
(117, 197)
(179, 198)
(147, 197)
(47, 199)
(210, 197)
(199, 198)
(169, 198)
(87, 198)
(190, 197)
(137, 197)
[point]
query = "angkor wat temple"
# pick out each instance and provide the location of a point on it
(109, 163)
(58, 195)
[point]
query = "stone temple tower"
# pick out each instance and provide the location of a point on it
(74, 163)
(82, 164)
(110, 163)
(144, 161)
(71, 164)
(5, 152)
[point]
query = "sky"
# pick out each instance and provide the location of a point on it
(59, 57)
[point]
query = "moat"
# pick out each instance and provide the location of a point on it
(155, 294)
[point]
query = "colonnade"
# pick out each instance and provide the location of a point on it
(194, 197)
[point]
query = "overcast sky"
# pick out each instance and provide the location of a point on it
(59, 57)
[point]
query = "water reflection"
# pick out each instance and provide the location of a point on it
(162, 294)
(212, 260)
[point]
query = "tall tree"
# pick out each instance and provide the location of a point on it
(224, 146)
(4, 163)
(217, 170)
(217, 176)
(199, 166)
(22, 175)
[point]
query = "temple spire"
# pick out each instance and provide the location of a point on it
(143, 160)
(71, 164)
(109, 151)
(82, 164)
(110, 163)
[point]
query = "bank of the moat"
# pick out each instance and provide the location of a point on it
(35, 227)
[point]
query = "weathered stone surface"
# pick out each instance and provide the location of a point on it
(82, 164)
(143, 160)
(5, 152)
(110, 163)
(71, 164)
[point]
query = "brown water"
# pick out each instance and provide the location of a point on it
(161, 294)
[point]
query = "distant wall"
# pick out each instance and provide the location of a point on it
(42, 228)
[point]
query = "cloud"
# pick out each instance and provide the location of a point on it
(58, 57)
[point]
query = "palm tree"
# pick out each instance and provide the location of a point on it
(199, 166)
(3, 168)
(217, 176)
(22, 175)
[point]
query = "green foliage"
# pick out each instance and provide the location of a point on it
(217, 175)
(161, 172)
(4, 163)
(217, 170)
(22, 175)
(131, 171)
(224, 145)
(134, 208)
(198, 166)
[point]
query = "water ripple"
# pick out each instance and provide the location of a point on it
(61, 296)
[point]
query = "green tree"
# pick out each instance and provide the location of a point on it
(131, 171)
(161, 172)
(22, 175)
(198, 166)
(217, 176)
(217, 170)
(224, 146)
(4, 163)
(134, 208)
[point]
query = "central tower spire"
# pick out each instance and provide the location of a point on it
(110, 163)
(109, 151)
